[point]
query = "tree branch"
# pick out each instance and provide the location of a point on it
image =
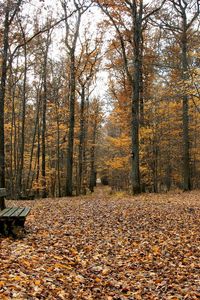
(40, 32)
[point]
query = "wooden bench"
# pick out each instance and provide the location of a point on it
(2, 192)
(12, 218)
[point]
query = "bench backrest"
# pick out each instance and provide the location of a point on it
(2, 192)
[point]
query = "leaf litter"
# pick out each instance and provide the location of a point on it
(103, 247)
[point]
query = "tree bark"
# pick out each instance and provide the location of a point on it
(81, 140)
(36, 124)
(137, 38)
(58, 145)
(38, 160)
(71, 46)
(7, 22)
(2, 98)
(70, 148)
(92, 182)
(141, 84)
(21, 165)
(44, 109)
(185, 117)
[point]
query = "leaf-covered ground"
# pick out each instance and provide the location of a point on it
(105, 247)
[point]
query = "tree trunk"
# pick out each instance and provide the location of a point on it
(43, 134)
(2, 98)
(141, 86)
(21, 165)
(38, 160)
(70, 148)
(135, 172)
(58, 146)
(155, 165)
(92, 182)
(28, 188)
(12, 89)
(81, 141)
(186, 146)
(71, 46)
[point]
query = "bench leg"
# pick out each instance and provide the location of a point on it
(2, 229)
(12, 227)
(5, 228)
(17, 227)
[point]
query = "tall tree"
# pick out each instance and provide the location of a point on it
(86, 71)
(71, 38)
(23, 118)
(44, 109)
(138, 14)
(10, 9)
(185, 15)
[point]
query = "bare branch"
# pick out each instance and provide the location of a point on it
(105, 10)
(15, 11)
(45, 29)
(154, 10)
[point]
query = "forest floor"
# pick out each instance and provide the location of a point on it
(105, 247)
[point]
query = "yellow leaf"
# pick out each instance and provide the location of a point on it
(156, 250)
(37, 282)
(17, 278)
(26, 263)
(58, 257)
(74, 252)
(105, 271)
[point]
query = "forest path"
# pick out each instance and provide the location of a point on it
(105, 247)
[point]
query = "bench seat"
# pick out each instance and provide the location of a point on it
(14, 212)
(12, 217)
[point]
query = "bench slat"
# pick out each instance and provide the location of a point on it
(14, 212)
(5, 210)
(10, 212)
(25, 212)
(2, 192)
(17, 212)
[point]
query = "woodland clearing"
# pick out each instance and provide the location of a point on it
(107, 247)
